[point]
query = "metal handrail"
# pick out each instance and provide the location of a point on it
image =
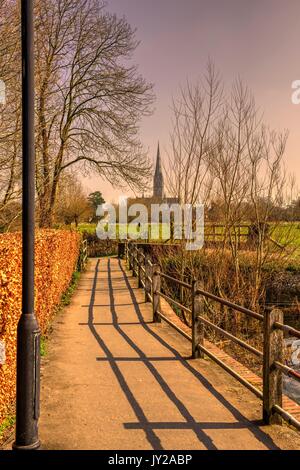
(287, 370)
(287, 329)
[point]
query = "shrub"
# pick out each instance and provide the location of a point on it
(56, 254)
(97, 247)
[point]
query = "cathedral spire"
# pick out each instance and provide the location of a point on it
(158, 184)
(158, 161)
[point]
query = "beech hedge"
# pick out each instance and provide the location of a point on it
(56, 255)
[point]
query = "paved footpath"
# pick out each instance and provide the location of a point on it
(114, 380)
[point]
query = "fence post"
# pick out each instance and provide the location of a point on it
(272, 377)
(156, 284)
(134, 249)
(147, 280)
(126, 253)
(132, 259)
(129, 249)
(121, 249)
(140, 259)
(197, 326)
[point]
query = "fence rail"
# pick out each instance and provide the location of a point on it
(244, 234)
(83, 255)
(149, 277)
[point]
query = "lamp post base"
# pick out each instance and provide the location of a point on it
(35, 446)
(28, 383)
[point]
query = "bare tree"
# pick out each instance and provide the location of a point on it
(222, 154)
(89, 97)
(228, 164)
(195, 112)
(10, 111)
(72, 205)
(267, 181)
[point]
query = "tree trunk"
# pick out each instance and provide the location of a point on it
(45, 208)
(45, 216)
(47, 201)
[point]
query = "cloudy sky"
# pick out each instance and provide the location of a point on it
(258, 40)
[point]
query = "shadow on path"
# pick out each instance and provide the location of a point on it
(149, 427)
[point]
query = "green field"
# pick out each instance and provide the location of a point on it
(286, 234)
(161, 231)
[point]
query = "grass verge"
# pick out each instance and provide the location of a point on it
(6, 429)
(64, 302)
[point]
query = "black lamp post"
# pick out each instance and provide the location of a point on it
(28, 342)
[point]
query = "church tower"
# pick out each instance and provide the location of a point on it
(158, 183)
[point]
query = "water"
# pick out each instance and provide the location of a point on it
(291, 387)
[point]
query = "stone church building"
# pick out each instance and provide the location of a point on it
(158, 196)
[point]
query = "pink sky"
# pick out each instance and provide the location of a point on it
(257, 40)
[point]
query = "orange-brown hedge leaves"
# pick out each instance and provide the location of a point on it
(56, 255)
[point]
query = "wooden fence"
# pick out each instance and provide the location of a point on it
(83, 255)
(215, 233)
(244, 235)
(150, 278)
